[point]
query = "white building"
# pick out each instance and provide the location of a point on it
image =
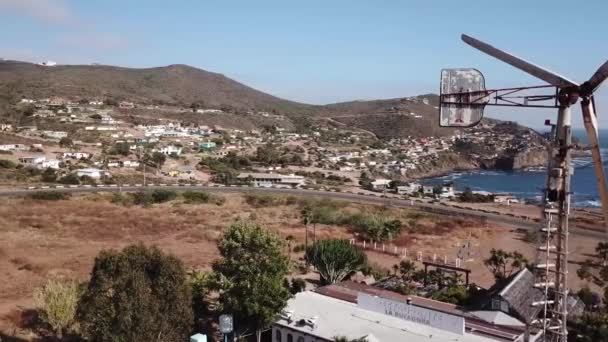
(49, 163)
(90, 172)
(270, 179)
(39, 162)
(313, 317)
(55, 134)
(76, 155)
(171, 149)
(447, 190)
(13, 147)
(209, 111)
(381, 184)
(408, 189)
(32, 160)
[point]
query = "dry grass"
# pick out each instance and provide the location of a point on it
(42, 239)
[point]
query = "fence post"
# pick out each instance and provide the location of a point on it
(363, 244)
(445, 259)
(375, 244)
(434, 257)
(419, 256)
(382, 247)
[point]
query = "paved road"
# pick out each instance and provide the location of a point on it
(352, 197)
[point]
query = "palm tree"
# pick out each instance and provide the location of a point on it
(407, 268)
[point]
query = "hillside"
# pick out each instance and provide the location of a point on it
(173, 84)
(182, 85)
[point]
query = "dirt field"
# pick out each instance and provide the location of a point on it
(44, 239)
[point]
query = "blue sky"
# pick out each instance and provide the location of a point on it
(318, 51)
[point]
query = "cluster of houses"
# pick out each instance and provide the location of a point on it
(347, 153)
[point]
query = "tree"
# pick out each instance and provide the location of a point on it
(158, 159)
(49, 175)
(503, 264)
(602, 251)
(335, 259)
(407, 268)
(590, 327)
(138, 294)
(202, 283)
(66, 142)
(56, 302)
(121, 148)
(455, 294)
(376, 227)
(250, 276)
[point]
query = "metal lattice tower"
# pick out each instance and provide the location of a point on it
(552, 254)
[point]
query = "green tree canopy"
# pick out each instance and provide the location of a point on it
(250, 275)
(66, 142)
(138, 294)
(503, 264)
(335, 259)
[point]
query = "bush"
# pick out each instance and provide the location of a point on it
(66, 142)
(120, 198)
(195, 197)
(49, 195)
(376, 227)
(87, 180)
(375, 270)
(299, 248)
(143, 198)
(296, 285)
(49, 175)
(7, 164)
(69, 179)
(191, 197)
(57, 302)
(263, 200)
(161, 196)
(147, 198)
(137, 294)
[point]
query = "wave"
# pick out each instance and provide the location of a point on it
(535, 169)
(588, 204)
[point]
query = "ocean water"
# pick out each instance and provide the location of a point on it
(528, 184)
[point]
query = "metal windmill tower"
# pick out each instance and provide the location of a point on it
(463, 99)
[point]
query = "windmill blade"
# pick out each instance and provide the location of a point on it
(532, 69)
(600, 76)
(590, 121)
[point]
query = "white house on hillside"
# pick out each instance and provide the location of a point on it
(90, 172)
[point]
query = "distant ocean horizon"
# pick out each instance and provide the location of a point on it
(527, 184)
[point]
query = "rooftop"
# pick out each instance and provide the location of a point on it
(267, 176)
(349, 290)
(335, 317)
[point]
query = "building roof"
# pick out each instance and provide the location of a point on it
(267, 176)
(348, 291)
(89, 169)
(335, 317)
(519, 291)
(497, 317)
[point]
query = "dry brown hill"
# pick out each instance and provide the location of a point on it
(183, 85)
(173, 84)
